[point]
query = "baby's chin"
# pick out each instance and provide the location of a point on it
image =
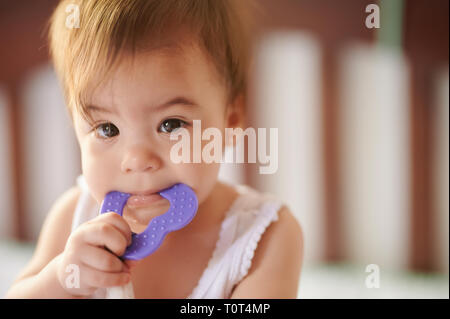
(139, 218)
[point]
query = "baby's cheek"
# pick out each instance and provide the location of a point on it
(200, 177)
(98, 176)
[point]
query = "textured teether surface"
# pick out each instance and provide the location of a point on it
(183, 207)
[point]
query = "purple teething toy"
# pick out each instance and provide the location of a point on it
(183, 207)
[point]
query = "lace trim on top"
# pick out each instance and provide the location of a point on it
(267, 214)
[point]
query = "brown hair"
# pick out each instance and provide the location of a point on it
(109, 28)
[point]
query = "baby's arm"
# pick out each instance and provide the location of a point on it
(276, 265)
(39, 278)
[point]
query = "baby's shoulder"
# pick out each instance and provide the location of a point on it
(58, 223)
(59, 217)
(54, 233)
(275, 269)
(61, 213)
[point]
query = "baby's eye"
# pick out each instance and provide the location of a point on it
(170, 125)
(106, 130)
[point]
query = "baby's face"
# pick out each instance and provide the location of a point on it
(128, 147)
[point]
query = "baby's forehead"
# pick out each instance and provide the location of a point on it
(175, 53)
(162, 68)
(152, 77)
(179, 51)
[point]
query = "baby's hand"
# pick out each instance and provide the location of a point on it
(94, 247)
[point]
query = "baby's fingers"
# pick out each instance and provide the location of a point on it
(131, 263)
(106, 235)
(117, 221)
(100, 259)
(100, 279)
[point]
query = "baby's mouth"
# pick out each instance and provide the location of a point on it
(141, 209)
(139, 201)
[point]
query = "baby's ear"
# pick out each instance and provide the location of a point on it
(234, 118)
(235, 113)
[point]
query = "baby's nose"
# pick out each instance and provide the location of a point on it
(140, 159)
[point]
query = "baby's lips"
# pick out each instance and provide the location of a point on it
(142, 200)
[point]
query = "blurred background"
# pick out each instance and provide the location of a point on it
(363, 126)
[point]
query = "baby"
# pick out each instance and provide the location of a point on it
(133, 72)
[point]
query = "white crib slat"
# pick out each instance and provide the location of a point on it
(287, 96)
(374, 123)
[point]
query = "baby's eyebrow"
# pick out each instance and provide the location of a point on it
(175, 101)
(94, 108)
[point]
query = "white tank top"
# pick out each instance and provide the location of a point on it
(244, 223)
